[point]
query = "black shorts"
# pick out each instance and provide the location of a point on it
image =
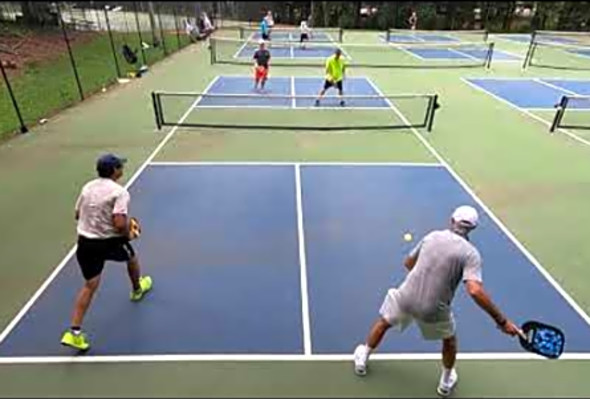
(92, 253)
(328, 84)
(265, 36)
(304, 36)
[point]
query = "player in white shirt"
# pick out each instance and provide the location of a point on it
(305, 34)
(104, 234)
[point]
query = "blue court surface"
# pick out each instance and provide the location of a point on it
(526, 38)
(459, 53)
(295, 35)
(291, 86)
(291, 50)
(419, 38)
(278, 258)
(533, 93)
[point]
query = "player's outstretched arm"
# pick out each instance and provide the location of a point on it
(483, 300)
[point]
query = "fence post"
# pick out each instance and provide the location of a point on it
(106, 17)
(177, 29)
(23, 128)
(72, 60)
(139, 33)
(162, 37)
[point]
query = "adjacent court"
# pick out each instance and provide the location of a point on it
(533, 93)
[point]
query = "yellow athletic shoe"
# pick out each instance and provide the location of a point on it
(145, 283)
(76, 341)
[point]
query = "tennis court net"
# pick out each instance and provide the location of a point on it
(293, 34)
(545, 54)
(435, 36)
(573, 112)
(300, 112)
(383, 55)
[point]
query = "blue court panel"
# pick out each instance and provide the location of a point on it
(313, 51)
(581, 87)
(276, 51)
(309, 86)
(524, 93)
(354, 221)
(420, 38)
(582, 52)
(497, 55)
(438, 53)
(244, 85)
(294, 35)
(221, 244)
(521, 38)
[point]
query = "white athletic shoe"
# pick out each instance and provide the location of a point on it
(361, 355)
(445, 388)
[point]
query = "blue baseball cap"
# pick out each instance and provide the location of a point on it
(108, 163)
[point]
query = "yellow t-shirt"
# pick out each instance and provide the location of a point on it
(335, 68)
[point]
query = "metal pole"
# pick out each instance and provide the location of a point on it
(106, 17)
(139, 33)
(162, 37)
(177, 29)
(23, 128)
(72, 60)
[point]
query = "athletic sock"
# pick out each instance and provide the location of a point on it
(446, 374)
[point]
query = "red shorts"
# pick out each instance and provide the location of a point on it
(261, 73)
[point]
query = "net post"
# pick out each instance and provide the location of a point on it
(157, 111)
(340, 35)
(528, 59)
(559, 115)
(387, 35)
(23, 127)
(486, 35)
(212, 50)
(112, 42)
(241, 30)
(433, 107)
(490, 55)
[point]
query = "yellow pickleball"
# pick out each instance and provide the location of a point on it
(407, 237)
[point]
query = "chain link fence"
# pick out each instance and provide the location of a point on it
(53, 55)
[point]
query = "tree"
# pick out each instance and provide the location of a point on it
(39, 14)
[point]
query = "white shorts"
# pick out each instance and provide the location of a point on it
(398, 319)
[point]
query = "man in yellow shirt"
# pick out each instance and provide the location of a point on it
(335, 68)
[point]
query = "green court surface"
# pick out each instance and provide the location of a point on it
(537, 184)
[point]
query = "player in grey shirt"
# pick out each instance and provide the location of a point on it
(437, 265)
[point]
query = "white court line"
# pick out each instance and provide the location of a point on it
(281, 163)
(463, 54)
(278, 358)
(72, 251)
(551, 85)
(237, 53)
(498, 222)
(293, 101)
(307, 348)
(411, 53)
(530, 114)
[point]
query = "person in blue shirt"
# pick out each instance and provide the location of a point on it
(265, 29)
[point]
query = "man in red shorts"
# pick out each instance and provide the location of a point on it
(261, 65)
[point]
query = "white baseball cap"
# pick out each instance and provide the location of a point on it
(261, 41)
(466, 214)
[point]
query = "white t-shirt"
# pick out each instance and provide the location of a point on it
(304, 28)
(98, 201)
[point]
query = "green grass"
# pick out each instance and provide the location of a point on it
(44, 88)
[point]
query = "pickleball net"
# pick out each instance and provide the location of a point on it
(299, 112)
